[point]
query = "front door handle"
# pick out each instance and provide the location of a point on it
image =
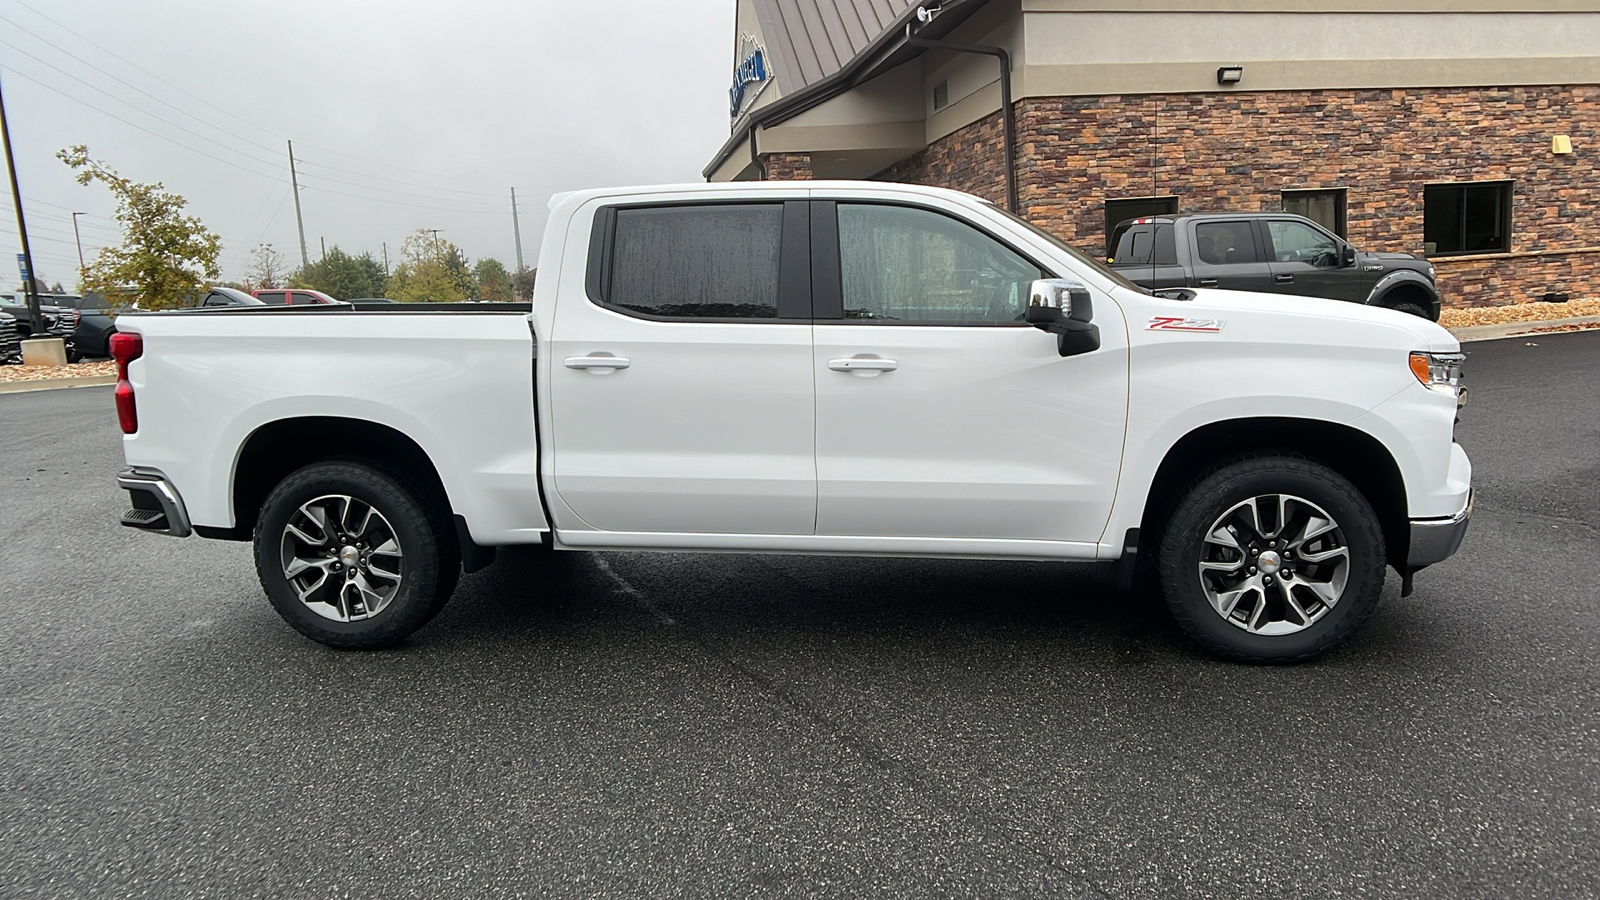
(863, 364)
(1283, 279)
(1208, 282)
(599, 364)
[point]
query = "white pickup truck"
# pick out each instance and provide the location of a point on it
(847, 368)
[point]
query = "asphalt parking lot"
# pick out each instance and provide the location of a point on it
(711, 725)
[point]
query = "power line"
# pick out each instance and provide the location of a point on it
(163, 137)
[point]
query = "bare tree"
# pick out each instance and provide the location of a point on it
(267, 268)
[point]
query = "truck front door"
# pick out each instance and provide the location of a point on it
(1310, 262)
(939, 413)
(681, 392)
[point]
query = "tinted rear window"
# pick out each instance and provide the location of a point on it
(1134, 246)
(698, 261)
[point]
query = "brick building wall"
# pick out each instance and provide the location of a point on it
(969, 159)
(1237, 151)
(787, 166)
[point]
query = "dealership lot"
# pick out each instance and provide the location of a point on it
(688, 725)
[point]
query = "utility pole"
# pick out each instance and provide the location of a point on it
(79, 238)
(516, 228)
(35, 320)
(436, 231)
(324, 249)
(294, 178)
(386, 259)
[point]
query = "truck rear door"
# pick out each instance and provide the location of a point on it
(680, 389)
(1227, 254)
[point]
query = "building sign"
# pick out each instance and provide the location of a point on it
(22, 266)
(751, 69)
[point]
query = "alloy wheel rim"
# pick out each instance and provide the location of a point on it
(341, 558)
(1274, 564)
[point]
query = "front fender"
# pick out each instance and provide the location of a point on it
(1398, 278)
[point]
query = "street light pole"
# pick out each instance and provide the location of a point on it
(79, 238)
(35, 320)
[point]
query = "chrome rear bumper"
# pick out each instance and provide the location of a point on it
(156, 504)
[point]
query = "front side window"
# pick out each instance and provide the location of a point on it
(1225, 243)
(1299, 242)
(1467, 218)
(303, 298)
(900, 264)
(708, 261)
(273, 297)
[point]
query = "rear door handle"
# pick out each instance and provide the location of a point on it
(1208, 282)
(1283, 279)
(860, 364)
(604, 364)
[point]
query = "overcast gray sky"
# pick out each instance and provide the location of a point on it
(405, 114)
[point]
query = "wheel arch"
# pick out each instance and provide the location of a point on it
(280, 447)
(1357, 456)
(1401, 287)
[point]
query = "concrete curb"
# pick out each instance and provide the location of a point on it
(52, 384)
(1518, 329)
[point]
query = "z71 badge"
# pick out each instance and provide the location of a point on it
(1179, 323)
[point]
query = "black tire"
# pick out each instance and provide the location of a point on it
(426, 569)
(1310, 488)
(1413, 309)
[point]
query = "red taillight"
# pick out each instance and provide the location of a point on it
(125, 348)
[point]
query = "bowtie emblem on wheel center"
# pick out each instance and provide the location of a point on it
(1269, 563)
(349, 556)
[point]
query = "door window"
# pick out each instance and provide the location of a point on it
(274, 297)
(1225, 243)
(707, 261)
(899, 264)
(1299, 242)
(303, 298)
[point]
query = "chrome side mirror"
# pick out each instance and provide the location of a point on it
(1063, 308)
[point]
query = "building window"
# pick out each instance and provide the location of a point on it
(1326, 208)
(1466, 218)
(1135, 208)
(941, 95)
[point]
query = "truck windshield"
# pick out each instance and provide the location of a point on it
(1056, 242)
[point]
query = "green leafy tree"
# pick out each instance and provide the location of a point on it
(377, 279)
(430, 271)
(165, 257)
(522, 284)
(494, 282)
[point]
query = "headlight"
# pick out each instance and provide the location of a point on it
(1440, 370)
(1431, 273)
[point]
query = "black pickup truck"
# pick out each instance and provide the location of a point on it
(1273, 253)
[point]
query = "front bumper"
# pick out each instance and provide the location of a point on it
(156, 503)
(1435, 540)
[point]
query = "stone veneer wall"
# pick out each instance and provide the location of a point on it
(1238, 150)
(787, 166)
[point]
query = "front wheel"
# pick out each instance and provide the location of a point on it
(1272, 559)
(350, 556)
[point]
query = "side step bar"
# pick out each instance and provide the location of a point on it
(156, 504)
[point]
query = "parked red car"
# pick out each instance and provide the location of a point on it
(291, 297)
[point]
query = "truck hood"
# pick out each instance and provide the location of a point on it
(1243, 315)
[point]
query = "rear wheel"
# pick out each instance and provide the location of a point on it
(1272, 559)
(351, 556)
